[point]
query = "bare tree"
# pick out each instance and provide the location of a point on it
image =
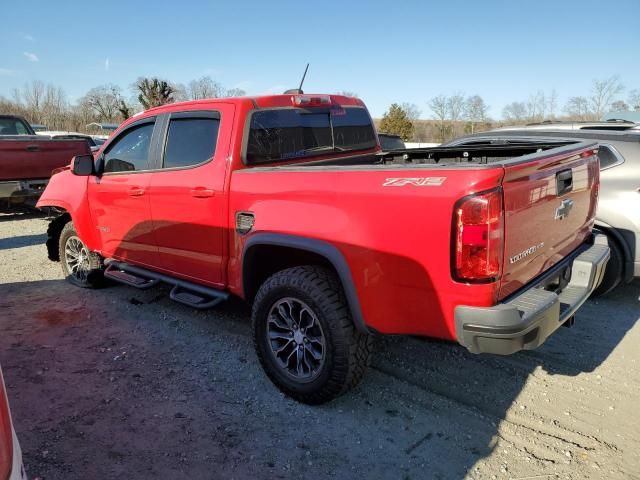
(412, 110)
(603, 93)
(439, 106)
(180, 93)
(42, 103)
(204, 87)
(515, 112)
(634, 99)
(235, 92)
(104, 101)
(475, 111)
(537, 107)
(552, 103)
(578, 108)
(619, 106)
(455, 107)
(32, 95)
(55, 106)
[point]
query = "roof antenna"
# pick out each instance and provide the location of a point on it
(299, 89)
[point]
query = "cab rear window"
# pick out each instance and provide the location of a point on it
(277, 135)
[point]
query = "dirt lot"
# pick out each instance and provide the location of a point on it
(119, 383)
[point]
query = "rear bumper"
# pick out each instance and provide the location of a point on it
(525, 321)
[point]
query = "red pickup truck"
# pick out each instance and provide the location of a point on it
(288, 202)
(27, 159)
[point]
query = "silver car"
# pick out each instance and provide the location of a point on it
(618, 215)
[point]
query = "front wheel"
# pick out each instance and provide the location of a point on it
(80, 266)
(304, 335)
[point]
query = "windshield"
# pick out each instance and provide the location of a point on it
(289, 133)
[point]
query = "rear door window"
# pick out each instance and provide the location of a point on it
(289, 133)
(191, 140)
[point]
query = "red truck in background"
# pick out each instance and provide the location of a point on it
(288, 202)
(27, 159)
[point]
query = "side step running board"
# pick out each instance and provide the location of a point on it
(191, 294)
(122, 276)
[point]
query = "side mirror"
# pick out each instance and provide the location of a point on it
(82, 165)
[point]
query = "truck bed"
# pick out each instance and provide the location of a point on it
(472, 155)
(403, 207)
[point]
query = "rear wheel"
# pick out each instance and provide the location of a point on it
(80, 266)
(304, 335)
(615, 269)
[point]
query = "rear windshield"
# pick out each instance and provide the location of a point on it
(290, 133)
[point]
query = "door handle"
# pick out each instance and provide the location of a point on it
(32, 148)
(564, 181)
(136, 192)
(201, 192)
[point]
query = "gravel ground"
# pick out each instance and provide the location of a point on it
(120, 383)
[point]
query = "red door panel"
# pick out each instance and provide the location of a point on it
(188, 204)
(121, 214)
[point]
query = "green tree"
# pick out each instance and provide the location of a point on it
(154, 92)
(396, 122)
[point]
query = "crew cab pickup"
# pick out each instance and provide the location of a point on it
(288, 202)
(27, 159)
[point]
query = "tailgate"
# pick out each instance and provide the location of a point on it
(35, 157)
(549, 201)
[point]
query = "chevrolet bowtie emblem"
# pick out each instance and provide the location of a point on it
(563, 210)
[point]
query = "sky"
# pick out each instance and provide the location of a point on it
(385, 52)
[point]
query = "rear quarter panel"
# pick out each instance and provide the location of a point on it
(395, 239)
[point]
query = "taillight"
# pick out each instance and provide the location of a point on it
(310, 100)
(6, 437)
(478, 237)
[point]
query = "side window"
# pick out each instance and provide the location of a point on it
(130, 152)
(190, 141)
(608, 157)
(22, 130)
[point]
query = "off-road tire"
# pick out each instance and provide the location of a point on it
(347, 351)
(95, 269)
(615, 269)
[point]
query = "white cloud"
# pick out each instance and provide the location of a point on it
(32, 57)
(106, 64)
(6, 71)
(29, 38)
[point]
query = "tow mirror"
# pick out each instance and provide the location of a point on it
(82, 165)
